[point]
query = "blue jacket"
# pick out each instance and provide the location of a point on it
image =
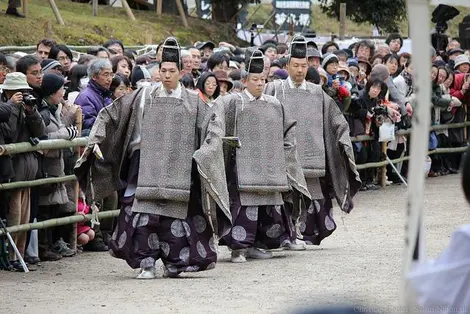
(92, 99)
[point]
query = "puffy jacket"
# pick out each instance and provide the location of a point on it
(456, 89)
(92, 99)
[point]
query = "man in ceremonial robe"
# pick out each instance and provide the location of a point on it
(261, 166)
(153, 152)
(324, 146)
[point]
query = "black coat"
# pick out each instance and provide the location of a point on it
(6, 166)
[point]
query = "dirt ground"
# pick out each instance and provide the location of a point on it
(359, 264)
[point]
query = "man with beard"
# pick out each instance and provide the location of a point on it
(324, 146)
(166, 171)
(261, 166)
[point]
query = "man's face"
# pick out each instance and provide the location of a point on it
(169, 75)
(207, 52)
(255, 84)
(363, 51)
(187, 64)
(4, 70)
(34, 75)
(116, 48)
(395, 45)
(271, 53)
(314, 62)
(297, 68)
(104, 78)
(42, 52)
(196, 55)
(64, 61)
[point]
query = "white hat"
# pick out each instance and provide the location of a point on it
(15, 81)
(462, 59)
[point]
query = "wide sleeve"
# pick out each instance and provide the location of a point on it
(342, 175)
(109, 133)
(210, 158)
(295, 175)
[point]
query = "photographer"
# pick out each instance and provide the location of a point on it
(365, 115)
(25, 123)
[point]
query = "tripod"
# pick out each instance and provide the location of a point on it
(13, 245)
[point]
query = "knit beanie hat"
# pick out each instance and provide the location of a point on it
(51, 83)
(329, 58)
(49, 64)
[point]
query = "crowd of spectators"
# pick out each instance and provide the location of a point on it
(41, 93)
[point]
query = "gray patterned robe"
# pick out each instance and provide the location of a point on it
(113, 130)
(321, 123)
(261, 187)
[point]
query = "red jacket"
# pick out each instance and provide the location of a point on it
(456, 90)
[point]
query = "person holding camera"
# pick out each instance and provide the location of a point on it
(25, 123)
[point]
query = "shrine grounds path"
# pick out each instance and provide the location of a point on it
(359, 264)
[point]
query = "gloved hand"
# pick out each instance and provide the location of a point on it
(65, 133)
(72, 131)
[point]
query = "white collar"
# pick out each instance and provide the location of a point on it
(251, 97)
(292, 84)
(175, 93)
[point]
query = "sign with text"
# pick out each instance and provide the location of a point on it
(293, 12)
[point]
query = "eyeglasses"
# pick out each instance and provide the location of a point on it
(5, 69)
(63, 58)
(107, 74)
(35, 73)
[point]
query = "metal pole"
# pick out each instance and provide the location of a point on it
(414, 248)
(3, 228)
(396, 171)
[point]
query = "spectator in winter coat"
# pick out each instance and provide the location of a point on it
(25, 122)
(334, 87)
(96, 95)
(395, 42)
(462, 64)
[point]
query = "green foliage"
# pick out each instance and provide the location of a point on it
(385, 14)
(81, 28)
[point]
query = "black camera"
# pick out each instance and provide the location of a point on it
(29, 100)
(380, 111)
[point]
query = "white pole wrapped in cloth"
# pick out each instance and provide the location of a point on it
(418, 14)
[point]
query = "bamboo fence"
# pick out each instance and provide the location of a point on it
(18, 148)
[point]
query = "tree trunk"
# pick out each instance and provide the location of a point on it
(224, 11)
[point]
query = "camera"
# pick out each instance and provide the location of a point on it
(29, 100)
(380, 111)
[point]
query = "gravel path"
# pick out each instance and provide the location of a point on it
(360, 263)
